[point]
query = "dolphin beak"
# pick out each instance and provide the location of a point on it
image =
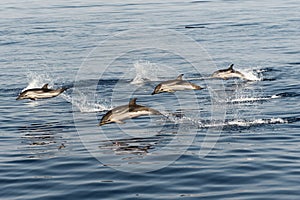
(153, 93)
(101, 123)
(18, 98)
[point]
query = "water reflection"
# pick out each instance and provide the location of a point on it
(42, 139)
(134, 146)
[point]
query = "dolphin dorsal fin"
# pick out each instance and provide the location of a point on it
(45, 86)
(230, 67)
(179, 77)
(132, 102)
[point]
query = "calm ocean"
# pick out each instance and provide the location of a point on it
(232, 140)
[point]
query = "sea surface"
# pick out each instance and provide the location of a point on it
(234, 139)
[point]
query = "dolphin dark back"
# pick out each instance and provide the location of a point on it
(229, 69)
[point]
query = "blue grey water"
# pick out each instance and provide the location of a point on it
(53, 148)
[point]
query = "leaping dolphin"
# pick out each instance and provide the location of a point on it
(129, 111)
(175, 85)
(40, 93)
(228, 73)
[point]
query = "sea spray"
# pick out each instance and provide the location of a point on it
(145, 71)
(37, 80)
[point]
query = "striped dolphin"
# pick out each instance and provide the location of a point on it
(228, 73)
(129, 111)
(175, 85)
(40, 93)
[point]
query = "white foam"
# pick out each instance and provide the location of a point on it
(252, 99)
(219, 124)
(249, 99)
(247, 123)
(275, 96)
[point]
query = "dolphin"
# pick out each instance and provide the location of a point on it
(129, 111)
(228, 73)
(175, 85)
(40, 93)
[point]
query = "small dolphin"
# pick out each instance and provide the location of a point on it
(175, 85)
(132, 110)
(228, 73)
(40, 93)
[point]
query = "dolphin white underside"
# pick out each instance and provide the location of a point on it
(120, 116)
(41, 95)
(177, 85)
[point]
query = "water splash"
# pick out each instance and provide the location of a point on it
(177, 118)
(252, 74)
(145, 71)
(37, 80)
(84, 105)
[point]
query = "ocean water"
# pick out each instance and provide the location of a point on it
(232, 140)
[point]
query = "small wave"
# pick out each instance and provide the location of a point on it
(195, 26)
(219, 124)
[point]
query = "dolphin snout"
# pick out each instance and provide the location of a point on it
(101, 124)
